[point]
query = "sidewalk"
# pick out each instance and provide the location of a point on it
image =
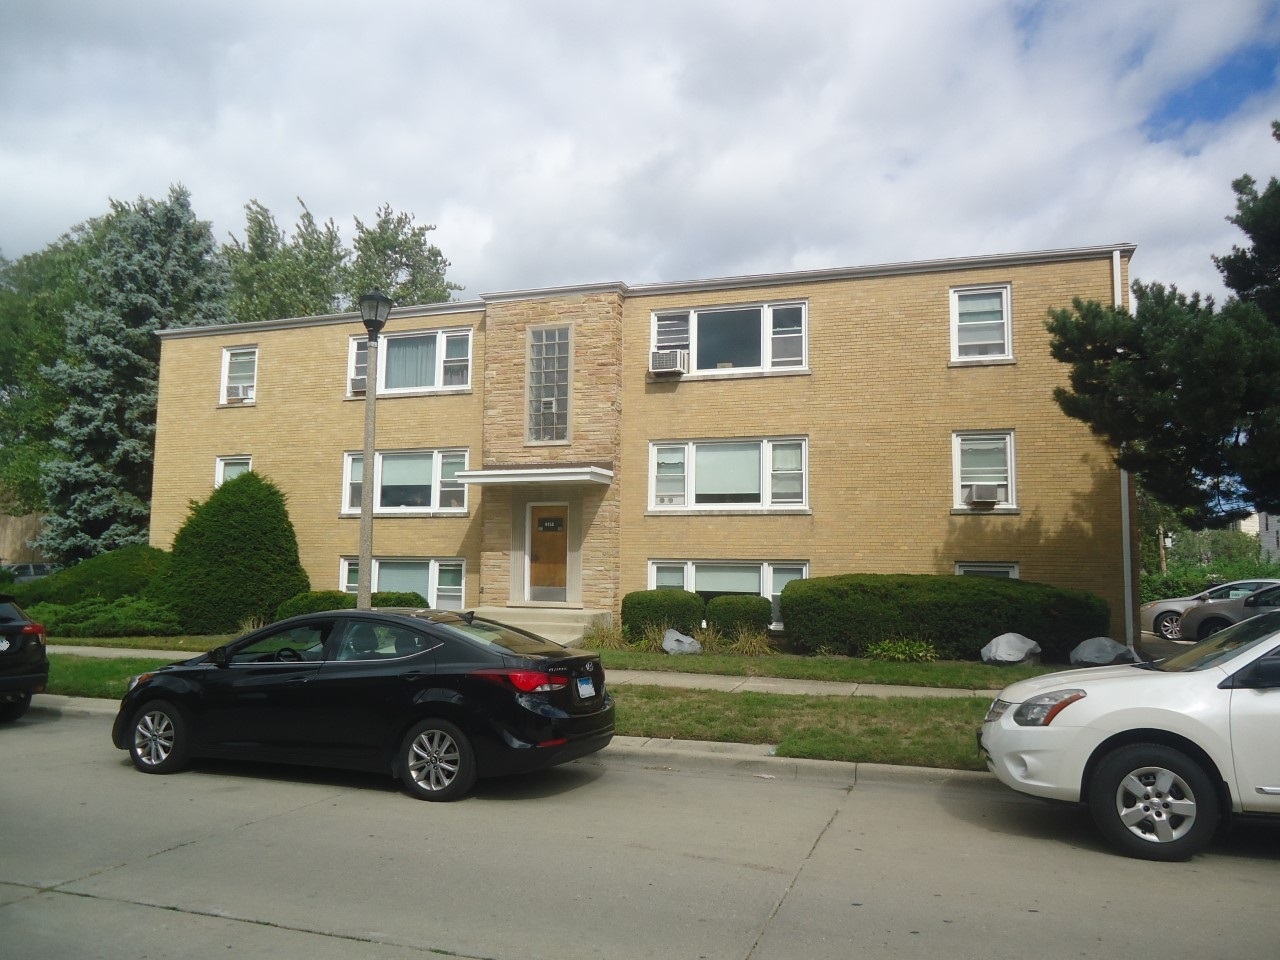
(658, 678)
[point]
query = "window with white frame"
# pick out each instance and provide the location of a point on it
(417, 362)
(980, 323)
(728, 474)
(439, 581)
(714, 578)
(998, 571)
(764, 336)
(407, 481)
(983, 468)
(228, 468)
(549, 374)
(239, 374)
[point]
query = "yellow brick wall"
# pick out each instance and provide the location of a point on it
(879, 408)
(297, 431)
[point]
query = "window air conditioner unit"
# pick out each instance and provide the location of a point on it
(669, 361)
(358, 385)
(984, 493)
(239, 394)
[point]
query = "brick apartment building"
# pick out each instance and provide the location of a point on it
(547, 451)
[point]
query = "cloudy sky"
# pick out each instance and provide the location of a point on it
(571, 141)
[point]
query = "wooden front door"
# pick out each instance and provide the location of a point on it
(548, 551)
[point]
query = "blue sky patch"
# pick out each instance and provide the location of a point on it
(1218, 94)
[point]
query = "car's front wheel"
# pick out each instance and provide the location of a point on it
(158, 743)
(1153, 802)
(13, 709)
(1169, 625)
(437, 761)
(1210, 627)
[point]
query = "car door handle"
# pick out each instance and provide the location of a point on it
(297, 680)
(414, 675)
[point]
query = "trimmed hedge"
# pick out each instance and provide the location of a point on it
(97, 617)
(235, 558)
(317, 601)
(675, 609)
(128, 571)
(730, 612)
(958, 615)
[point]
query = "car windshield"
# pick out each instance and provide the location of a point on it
(1225, 645)
(497, 635)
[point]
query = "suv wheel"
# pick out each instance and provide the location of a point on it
(1153, 802)
(13, 709)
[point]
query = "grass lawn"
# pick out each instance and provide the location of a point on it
(927, 732)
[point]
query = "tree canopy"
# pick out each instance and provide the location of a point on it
(1188, 394)
(312, 272)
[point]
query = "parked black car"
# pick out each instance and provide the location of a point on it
(435, 698)
(24, 664)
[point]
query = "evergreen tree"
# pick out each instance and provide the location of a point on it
(235, 558)
(1187, 394)
(152, 266)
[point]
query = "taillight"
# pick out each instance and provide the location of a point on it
(36, 630)
(526, 681)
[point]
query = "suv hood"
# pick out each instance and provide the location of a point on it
(1084, 679)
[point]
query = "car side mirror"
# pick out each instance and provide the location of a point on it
(218, 656)
(1263, 674)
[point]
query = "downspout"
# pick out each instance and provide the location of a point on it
(1126, 533)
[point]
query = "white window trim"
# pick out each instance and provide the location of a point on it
(1006, 295)
(441, 334)
(766, 568)
(1008, 569)
(346, 564)
(249, 398)
(220, 467)
(1008, 505)
(432, 510)
(766, 338)
(766, 470)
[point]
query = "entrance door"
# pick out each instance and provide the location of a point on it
(548, 551)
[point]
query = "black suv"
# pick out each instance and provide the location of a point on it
(24, 665)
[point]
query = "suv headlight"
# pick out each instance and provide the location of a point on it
(1040, 710)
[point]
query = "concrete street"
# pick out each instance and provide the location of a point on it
(647, 850)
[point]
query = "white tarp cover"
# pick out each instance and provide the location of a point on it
(1011, 648)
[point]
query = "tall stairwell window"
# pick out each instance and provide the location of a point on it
(548, 370)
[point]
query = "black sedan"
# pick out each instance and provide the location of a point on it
(24, 664)
(435, 698)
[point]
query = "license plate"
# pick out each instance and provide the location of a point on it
(586, 689)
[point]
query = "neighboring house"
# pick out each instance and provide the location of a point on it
(1269, 536)
(559, 448)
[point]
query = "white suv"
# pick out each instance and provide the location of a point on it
(1160, 752)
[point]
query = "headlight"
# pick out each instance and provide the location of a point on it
(1040, 711)
(996, 710)
(137, 679)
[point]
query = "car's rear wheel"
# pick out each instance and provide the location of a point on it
(1210, 627)
(437, 761)
(158, 743)
(13, 709)
(1169, 625)
(1153, 802)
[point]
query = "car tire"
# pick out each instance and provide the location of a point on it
(1154, 802)
(1168, 626)
(158, 740)
(13, 709)
(1210, 627)
(437, 761)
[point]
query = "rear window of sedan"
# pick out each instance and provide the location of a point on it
(9, 613)
(499, 637)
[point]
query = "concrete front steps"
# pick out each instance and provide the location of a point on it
(564, 625)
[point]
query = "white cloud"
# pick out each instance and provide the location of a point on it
(564, 142)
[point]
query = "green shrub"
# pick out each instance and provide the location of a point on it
(6, 577)
(677, 609)
(957, 615)
(603, 634)
(317, 601)
(749, 641)
(235, 557)
(97, 617)
(731, 611)
(901, 650)
(126, 572)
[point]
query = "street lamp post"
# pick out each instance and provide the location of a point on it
(375, 307)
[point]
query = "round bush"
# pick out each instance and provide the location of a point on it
(733, 611)
(676, 609)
